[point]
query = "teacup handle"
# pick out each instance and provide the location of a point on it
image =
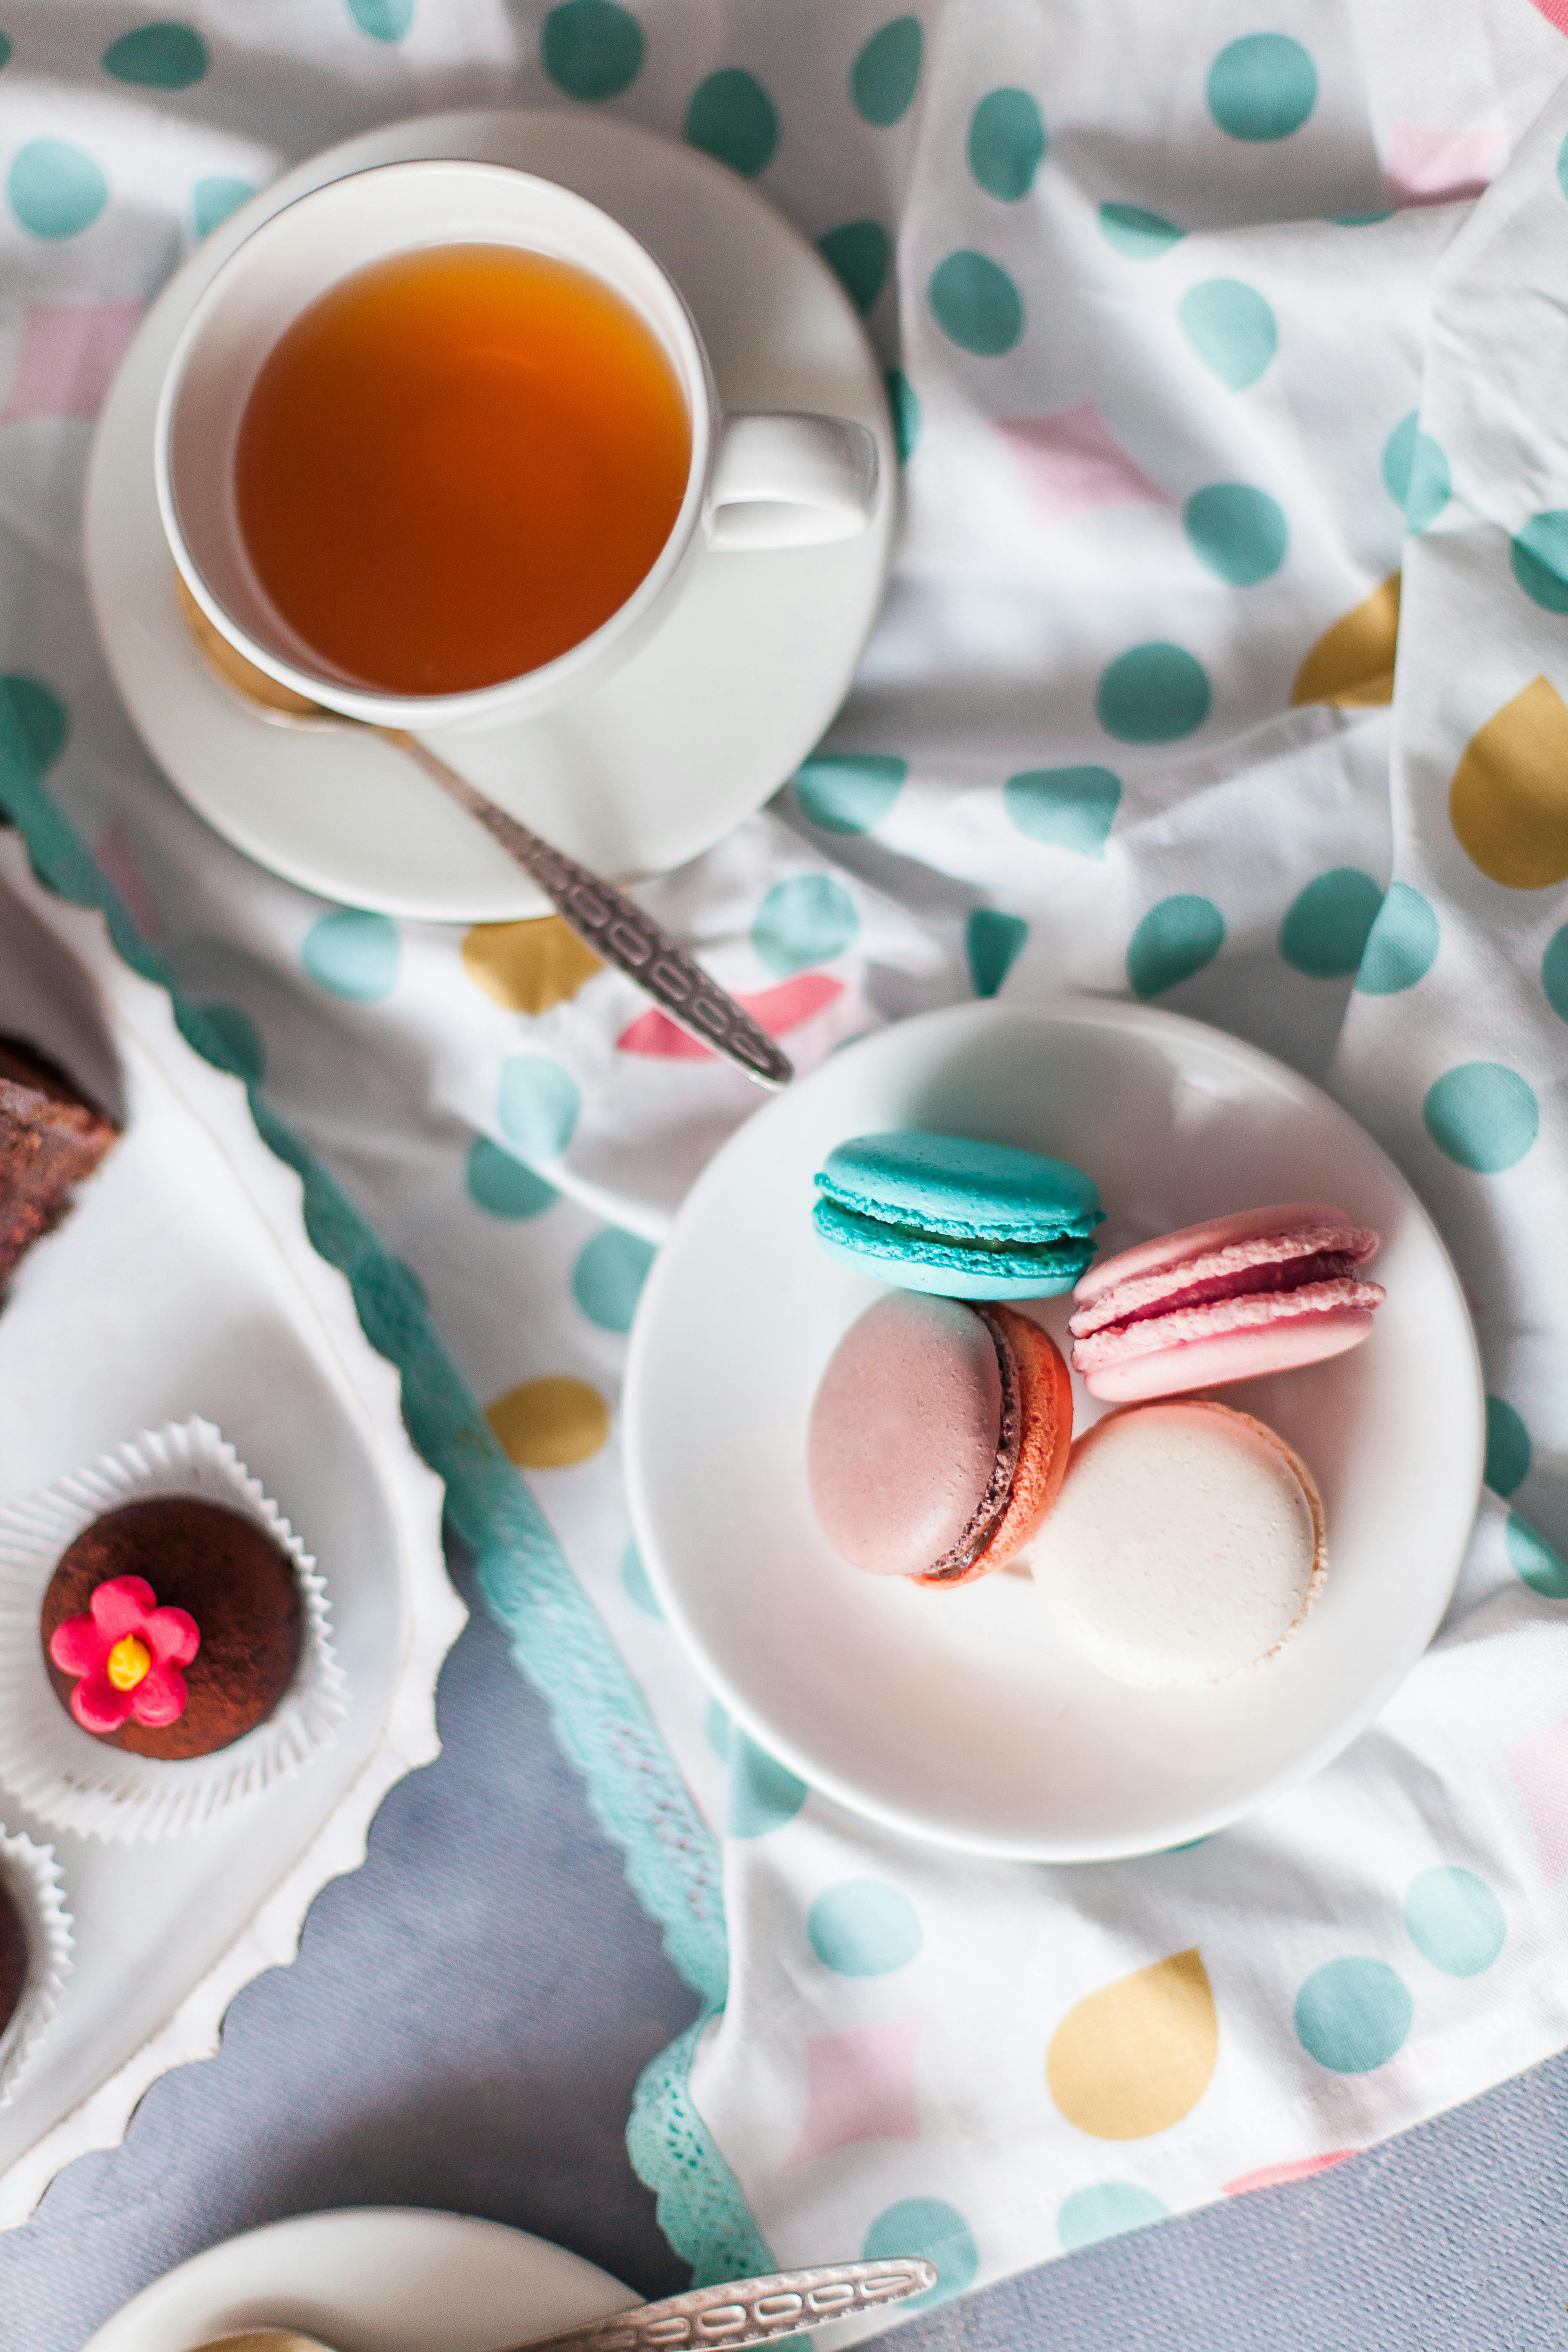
(791, 482)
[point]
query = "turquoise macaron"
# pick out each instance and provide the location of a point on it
(962, 1219)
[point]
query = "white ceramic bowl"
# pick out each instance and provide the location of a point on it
(963, 1718)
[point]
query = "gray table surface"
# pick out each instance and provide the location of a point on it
(466, 2020)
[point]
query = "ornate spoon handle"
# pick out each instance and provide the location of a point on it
(751, 2311)
(618, 930)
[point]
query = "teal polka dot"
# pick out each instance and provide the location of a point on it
(238, 1040)
(1415, 473)
(1563, 167)
(592, 49)
(863, 1928)
(503, 1186)
(848, 792)
(976, 304)
(1008, 141)
(1238, 533)
(1137, 234)
(1231, 328)
(905, 409)
(886, 73)
(384, 20)
(1483, 1116)
(1554, 972)
(1455, 1920)
(929, 2227)
(354, 953)
(1070, 808)
(1262, 87)
(1327, 926)
(607, 1280)
(731, 117)
(1539, 555)
(858, 254)
(808, 919)
(1352, 2015)
(1508, 1448)
(716, 1724)
(1402, 945)
(55, 190)
(212, 201)
(1105, 2212)
(537, 1106)
(635, 1583)
(1152, 694)
(34, 721)
(5, 51)
(159, 57)
(992, 941)
(1359, 220)
(1532, 1559)
(1175, 939)
(764, 1795)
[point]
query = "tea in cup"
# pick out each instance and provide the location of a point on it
(440, 441)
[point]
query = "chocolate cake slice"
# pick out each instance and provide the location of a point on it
(50, 1138)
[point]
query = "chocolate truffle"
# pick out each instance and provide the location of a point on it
(13, 1958)
(223, 1571)
(50, 1138)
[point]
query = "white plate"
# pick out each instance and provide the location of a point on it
(961, 1716)
(182, 1282)
(695, 733)
(371, 2280)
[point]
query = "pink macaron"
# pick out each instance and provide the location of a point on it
(1230, 1300)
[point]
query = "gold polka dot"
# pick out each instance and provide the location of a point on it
(547, 1424)
(528, 967)
(1509, 800)
(1352, 663)
(1136, 2056)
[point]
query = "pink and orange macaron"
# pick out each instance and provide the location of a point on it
(1230, 1300)
(939, 1438)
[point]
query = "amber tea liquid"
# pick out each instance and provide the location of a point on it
(457, 464)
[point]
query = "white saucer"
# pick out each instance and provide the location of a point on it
(657, 764)
(961, 1716)
(380, 2280)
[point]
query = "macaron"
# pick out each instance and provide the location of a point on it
(1188, 1543)
(939, 1436)
(960, 1218)
(1227, 1300)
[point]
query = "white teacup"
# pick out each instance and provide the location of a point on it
(763, 481)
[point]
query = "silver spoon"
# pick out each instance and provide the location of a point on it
(750, 2311)
(609, 923)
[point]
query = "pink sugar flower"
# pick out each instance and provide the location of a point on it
(128, 1653)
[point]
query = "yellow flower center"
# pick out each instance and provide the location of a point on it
(128, 1662)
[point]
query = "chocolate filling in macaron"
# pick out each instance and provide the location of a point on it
(938, 1438)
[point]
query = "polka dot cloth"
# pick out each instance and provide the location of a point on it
(1231, 328)
(886, 73)
(1262, 87)
(1152, 694)
(976, 304)
(929, 2227)
(1216, 498)
(1352, 2015)
(731, 117)
(592, 49)
(55, 190)
(863, 1928)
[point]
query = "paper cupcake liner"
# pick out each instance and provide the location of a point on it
(61, 1772)
(30, 1876)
